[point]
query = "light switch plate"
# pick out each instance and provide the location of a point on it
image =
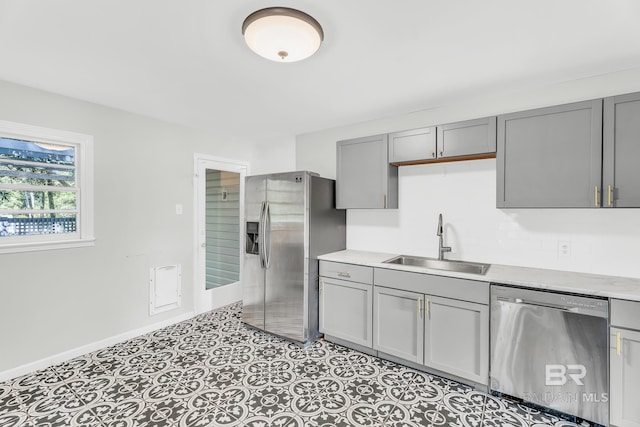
(564, 248)
(178, 209)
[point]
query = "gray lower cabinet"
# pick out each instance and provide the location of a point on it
(457, 338)
(346, 310)
(398, 328)
(364, 177)
(467, 138)
(550, 157)
(624, 362)
(420, 318)
(412, 145)
(625, 378)
(621, 151)
(446, 334)
(346, 302)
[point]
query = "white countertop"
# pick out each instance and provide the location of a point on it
(553, 280)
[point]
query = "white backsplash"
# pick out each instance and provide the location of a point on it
(601, 241)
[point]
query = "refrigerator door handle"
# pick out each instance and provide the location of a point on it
(261, 232)
(267, 234)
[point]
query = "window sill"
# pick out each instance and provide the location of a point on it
(46, 246)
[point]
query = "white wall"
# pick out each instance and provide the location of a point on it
(277, 155)
(604, 241)
(54, 301)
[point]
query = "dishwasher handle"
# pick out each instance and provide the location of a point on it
(538, 304)
(566, 309)
(567, 303)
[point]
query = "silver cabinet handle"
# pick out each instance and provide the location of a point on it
(344, 274)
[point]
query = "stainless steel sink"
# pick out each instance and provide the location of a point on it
(437, 264)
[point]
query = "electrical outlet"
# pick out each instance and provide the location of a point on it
(178, 209)
(564, 248)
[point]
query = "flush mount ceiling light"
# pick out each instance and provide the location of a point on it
(282, 34)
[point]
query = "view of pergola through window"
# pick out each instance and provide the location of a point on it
(38, 191)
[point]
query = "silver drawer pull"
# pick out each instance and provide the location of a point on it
(344, 274)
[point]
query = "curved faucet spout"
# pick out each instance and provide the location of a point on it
(441, 248)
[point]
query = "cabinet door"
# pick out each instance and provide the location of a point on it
(625, 378)
(467, 138)
(410, 145)
(364, 177)
(345, 310)
(621, 151)
(398, 323)
(550, 157)
(456, 338)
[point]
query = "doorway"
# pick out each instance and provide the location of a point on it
(219, 207)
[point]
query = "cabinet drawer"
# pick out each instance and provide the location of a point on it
(352, 272)
(625, 314)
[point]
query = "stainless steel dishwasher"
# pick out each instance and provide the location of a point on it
(550, 349)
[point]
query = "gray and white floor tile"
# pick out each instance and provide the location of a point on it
(214, 371)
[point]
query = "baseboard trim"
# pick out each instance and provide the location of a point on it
(88, 348)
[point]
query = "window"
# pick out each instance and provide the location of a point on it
(46, 188)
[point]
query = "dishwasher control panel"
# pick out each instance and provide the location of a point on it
(582, 302)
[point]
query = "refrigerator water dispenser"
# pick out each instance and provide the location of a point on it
(252, 238)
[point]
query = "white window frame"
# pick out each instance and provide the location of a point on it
(83, 145)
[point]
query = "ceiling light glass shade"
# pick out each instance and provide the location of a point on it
(282, 34)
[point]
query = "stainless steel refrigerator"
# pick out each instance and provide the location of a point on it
(290, 219)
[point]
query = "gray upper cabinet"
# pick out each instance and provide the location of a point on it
(364, 177)
(446, 142)
(467, 138)
(412, 145)
(621, 151)
(550, 157)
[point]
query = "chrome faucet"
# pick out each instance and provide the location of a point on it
(441, 249)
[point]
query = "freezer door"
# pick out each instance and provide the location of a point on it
(285, 284)
(252, 272)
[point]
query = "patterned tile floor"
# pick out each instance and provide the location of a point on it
(213, 371)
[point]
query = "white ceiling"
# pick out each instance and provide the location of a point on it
(185, 61)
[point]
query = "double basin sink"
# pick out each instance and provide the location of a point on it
(440, 264)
